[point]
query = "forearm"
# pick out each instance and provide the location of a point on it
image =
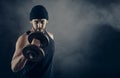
(18, 63)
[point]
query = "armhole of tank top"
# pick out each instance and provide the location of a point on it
(28, 32)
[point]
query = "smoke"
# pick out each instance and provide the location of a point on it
(73, 23)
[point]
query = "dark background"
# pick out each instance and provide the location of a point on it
(87, 36)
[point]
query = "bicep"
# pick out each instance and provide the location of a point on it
(18, 60)
(18, 48)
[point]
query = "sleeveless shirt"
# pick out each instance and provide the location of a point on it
(43, 68)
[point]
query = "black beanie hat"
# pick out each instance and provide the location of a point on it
(38, 12)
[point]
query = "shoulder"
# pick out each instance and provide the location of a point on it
(21, 41)
(51, 35)
(22, 37)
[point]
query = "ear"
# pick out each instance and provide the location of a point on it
(46, 21)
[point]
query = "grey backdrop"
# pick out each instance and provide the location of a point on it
(87, 36)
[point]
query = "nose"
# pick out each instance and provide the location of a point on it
(39, 25)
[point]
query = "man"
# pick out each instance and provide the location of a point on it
(30, 69)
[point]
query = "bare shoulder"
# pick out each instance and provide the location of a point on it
(22, 37)
(22, 40)
(51, 35)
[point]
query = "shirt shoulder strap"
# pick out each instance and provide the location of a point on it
(28, 32)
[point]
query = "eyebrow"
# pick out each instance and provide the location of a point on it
(42, 19)
(39, 20)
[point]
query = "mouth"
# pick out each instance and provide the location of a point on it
(39, 29)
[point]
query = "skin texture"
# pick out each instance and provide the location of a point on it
(18, 60)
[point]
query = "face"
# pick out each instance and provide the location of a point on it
(39, 24)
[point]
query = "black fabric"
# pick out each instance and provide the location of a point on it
(38, 12)
(43, 68)
(28, 32)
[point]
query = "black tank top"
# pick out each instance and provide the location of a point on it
(43, 68)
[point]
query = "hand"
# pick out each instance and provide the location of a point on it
(35, 42)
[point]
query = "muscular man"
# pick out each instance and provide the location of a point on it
(30, 69)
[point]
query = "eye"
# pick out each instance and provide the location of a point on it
(42, 21)
(36, 22)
